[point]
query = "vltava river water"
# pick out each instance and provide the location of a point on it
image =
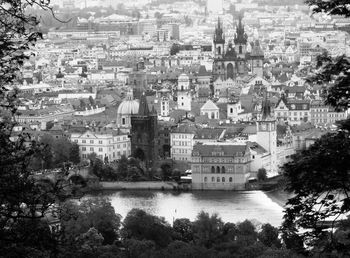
(230, 206)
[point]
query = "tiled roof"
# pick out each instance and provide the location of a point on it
(224, 150)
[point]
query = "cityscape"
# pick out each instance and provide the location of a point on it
(189, 128)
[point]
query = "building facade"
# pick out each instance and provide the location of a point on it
(107, 144)
(144, 133)
(220, 166)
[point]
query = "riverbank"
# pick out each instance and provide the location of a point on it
(279, 196)
(145, 185)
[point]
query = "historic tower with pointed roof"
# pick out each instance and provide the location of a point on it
(267, 135)
(144, 133)
(235, 60)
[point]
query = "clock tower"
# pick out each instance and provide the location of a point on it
(267, 136)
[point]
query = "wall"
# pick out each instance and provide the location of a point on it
(139, 185)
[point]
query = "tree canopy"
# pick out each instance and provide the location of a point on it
(319, 176)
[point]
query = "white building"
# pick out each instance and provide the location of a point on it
(184, 97)
(210, 109)
(105, 143)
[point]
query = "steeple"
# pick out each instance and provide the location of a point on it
(266, 110)
(219, 34)
(143, 108)
(240, 37)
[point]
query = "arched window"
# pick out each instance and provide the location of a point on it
(218, 179)
(230, 179)
(182, 87)
(231, 110)
(223, 170)
(205, 179)
(213, 179)
(240, 49)
(212, 115)
(213, 169)
(223, 179)
(123, 121)
(219, 50)
(218, 169)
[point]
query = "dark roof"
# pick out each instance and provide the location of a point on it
(219, 150)
(143, 109)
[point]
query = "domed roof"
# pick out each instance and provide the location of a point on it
(128, 107)
(183, 77)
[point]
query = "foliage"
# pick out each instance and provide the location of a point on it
(207, 229)
(319, 176)
(140, 225)
(335, 73)
(184, 229)
(269, 236)
(334, 7)
(262, 176)
(94, 212)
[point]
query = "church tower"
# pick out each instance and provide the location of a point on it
(267, 136)
(256, 59)
(164, 106)
(144, 133)
(240, 40)
(184, 98)
(219, 51)
(219, 41)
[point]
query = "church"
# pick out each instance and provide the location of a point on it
(232, 61)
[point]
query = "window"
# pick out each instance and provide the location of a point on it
(91, 148)
(100, 149)
(213, 179)
(205, 179)
(218, 169)
(230, 179)
(231, 110)
(75, 140)
(218, 179)
(91, 141)
(223, 180)
(83, 141)
(212, 169)
(83, 148)
(223, 169)
(100, 142)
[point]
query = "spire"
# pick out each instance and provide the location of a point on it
(143, 108)
(154, 111)
(240, 37)
(219, 34)
(266, 109)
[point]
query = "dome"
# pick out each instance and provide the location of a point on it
(183, 78)
(128, 107)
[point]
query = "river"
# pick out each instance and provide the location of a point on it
(231, 206)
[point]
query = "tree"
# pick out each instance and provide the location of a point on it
(269, 236)
(321, 181)
(139, 225)
(23, 201)
(319, 177)
(207, 229)
(183, 227)
(61, 150)
(94, 212)
(74, 155)
(122, 169)
(175, 48)
(262, 176)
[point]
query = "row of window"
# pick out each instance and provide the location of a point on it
(93, 149)
(290, 113)
(218, 179)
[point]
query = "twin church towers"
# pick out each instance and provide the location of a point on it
(233, 60)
